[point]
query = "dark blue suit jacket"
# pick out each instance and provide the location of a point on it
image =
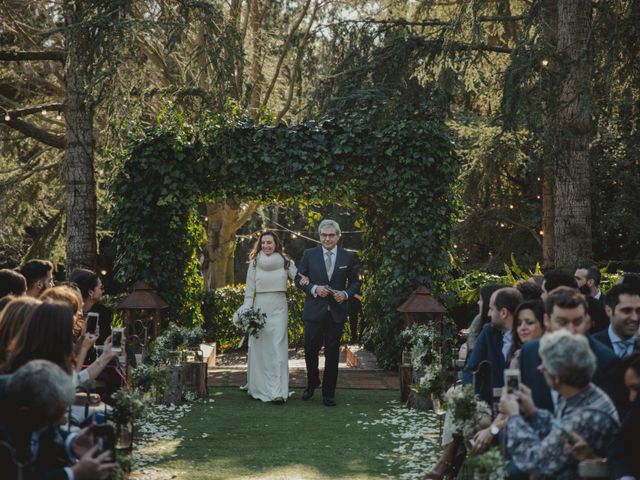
(603, 337)
(603, 377)
(488, 347)
(345, 277)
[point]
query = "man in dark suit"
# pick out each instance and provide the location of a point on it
(565, 307)
(494, 341)
(623, 310)
(333, 279)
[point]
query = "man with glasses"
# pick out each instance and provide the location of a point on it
(39, 276)
(565, 308)
(333, 280)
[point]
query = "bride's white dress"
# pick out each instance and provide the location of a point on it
(268, 363)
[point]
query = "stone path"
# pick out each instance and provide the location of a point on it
(357, 369)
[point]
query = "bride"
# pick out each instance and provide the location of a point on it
(266, 287)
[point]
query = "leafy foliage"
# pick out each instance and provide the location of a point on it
(397, 173)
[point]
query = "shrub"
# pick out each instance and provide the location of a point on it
(218, 307)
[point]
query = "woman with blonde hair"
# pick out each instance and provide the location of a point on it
(17, 312)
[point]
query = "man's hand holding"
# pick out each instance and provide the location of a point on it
(322, 291)
(338, 296)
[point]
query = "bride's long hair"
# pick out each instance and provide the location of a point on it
(257, 247)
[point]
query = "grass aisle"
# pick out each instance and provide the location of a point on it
(369, 435)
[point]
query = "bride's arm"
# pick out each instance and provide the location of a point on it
(250, 285)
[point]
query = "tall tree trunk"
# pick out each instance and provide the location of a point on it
(79, 148)
(550, 23)
(224, 220)
(257, 48)
(573, 135)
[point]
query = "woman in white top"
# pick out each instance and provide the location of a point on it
(266, 289)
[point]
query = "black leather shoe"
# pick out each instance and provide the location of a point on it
(308, 392)
(278, 401)
(329, 402)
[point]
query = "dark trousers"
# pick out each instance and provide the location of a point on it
(327, 332)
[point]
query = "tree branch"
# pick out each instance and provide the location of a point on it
(22, 112)
(14, 56)
(37, 133)
(285, 51)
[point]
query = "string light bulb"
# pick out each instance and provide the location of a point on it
(7, 117)
(58, 117)
(545, 63)
(44, 111)
(541, 232)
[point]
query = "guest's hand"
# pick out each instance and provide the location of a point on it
(526, 400)
(92, 467)
(509, 404)
(88, 341)
(580, 450)
(304, 280)
(322, 291)
(108, 354)
(83, 441)
(482, 440)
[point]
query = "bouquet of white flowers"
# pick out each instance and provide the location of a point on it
(469, 414)
(250, 321)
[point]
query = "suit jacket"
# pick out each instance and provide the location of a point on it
(345, 277)
(624, 450)
(603, 377)
(488, 346)
(603, 337)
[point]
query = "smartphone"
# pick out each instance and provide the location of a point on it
(566, 434)
(105, 438)
(92, 322)
(512, 380)
(116, 339)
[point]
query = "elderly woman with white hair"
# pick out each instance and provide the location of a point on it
(536, 439)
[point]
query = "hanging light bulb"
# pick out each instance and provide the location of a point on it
(545, 63)
(7, 117)
(44, 111)
(58, 117)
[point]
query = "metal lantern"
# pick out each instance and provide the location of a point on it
(143, 312)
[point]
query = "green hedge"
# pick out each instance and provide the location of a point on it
(219, 305)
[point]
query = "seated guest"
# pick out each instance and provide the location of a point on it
(536, 438)
(529, 290)
(555, 279)
(493, 346)
(48, 335)
(91, 289)
(623, 310)
(529, 325)
(630, 278)
(12, 283)
(12, 319)
(4, 301)
(565, 308)
(31, 446)
(39, 276)
(623, 457)
(494, 342)
(623, 452)
(482, 318)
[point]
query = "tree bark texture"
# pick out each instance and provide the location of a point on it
(550, 22)
(224, 220)
(573, 136)
(79, 176)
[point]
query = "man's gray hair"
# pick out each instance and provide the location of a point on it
(568, 356)
(329, 223)
(42, 386)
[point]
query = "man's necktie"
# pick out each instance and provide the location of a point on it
(622, 348)
(328, 263)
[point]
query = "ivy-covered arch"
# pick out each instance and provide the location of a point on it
(397, 175)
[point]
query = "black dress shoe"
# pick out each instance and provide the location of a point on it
(308, 392)
(278, 401)
(329, 402)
